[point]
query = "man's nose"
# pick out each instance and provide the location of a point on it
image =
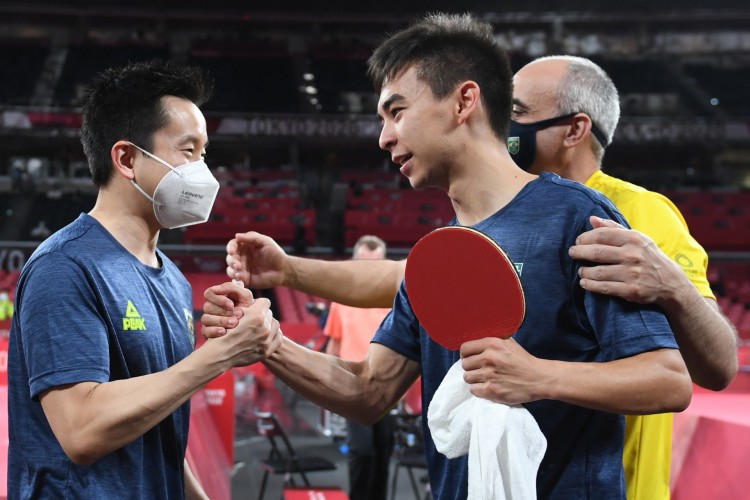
(387, 139)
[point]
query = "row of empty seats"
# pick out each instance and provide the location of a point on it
(371, 177)
(287, 228)
(259, 197)
(730, 281)
(293, 306)
(739, 314)
(718, 220)
(246, 202)
(399, 216)
(263, 179)
(8, 280)
(399, 230)
(399, 200)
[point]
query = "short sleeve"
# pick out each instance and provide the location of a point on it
(400, 329)
(623, 329)
(64, 334)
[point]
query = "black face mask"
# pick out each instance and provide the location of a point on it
(522, 139)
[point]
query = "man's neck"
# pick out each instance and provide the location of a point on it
(129, 228)
(486, 186)
(579, 166)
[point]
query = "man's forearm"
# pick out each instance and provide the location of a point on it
(707, 340)
(361, 391)
(358, 283)
(652, 382)
(92, 420)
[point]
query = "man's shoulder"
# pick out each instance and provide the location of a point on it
(631, 198)
(573, 191)
(622, 191)
(76, 249)
(552, 180)
(57, 245)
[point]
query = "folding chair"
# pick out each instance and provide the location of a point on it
(409, 454)
(282, 459)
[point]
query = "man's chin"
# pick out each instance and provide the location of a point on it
(424, 182)
(416, 183)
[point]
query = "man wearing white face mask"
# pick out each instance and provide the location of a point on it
(102, 361)
(184, 196)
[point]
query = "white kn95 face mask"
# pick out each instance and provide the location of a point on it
(184, 196)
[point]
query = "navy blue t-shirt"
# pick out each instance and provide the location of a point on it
(563, 322)
(88, 310)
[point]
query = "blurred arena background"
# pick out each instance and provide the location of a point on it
(293, 139)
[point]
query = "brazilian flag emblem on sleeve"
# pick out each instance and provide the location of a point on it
(514, 145)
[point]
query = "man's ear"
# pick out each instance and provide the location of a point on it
(468, 100)
(122, 156)
(579, 130)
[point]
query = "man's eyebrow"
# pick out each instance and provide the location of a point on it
(519, 103)
(191, 139)
(391, 101)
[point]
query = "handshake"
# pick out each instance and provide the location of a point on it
(254, 334)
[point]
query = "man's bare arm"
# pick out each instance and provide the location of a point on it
(504, 372)
(711, 358)
(358, 283)
(634, 268)
(92, 419)
(260, 262)
(363, 391)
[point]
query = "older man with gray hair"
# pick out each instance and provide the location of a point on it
(565, 111)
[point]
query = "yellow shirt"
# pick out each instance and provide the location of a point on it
(648, 439)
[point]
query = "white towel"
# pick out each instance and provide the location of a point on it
(504, 443)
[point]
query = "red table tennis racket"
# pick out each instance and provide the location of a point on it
(462, 286)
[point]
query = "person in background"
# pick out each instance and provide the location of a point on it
(578, 360)
(350, 330)
(6, 306)
(101, 357)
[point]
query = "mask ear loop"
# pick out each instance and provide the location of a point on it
(156, 158)
(599, 135)
(595, 130)
(543, 124)
(139, 188)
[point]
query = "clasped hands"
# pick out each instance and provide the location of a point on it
(231, 312)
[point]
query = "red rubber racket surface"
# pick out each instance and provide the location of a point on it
(462, 286)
